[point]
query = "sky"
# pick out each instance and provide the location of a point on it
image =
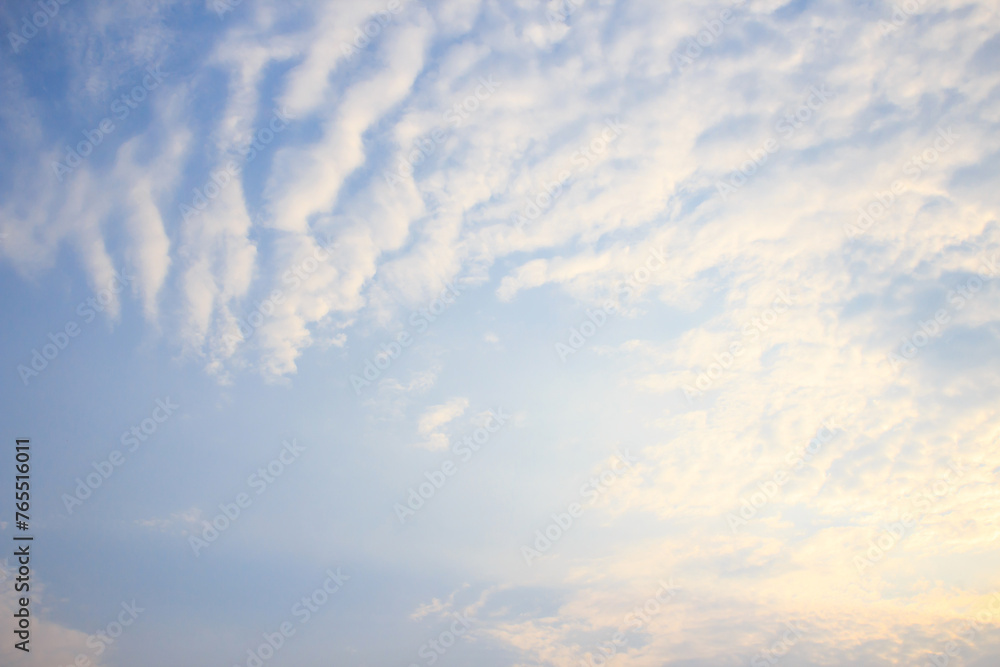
(502, 333)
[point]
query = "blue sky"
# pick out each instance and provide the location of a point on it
(674, 327)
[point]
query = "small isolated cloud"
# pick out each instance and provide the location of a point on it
(436, 606)
(437, 416)
(184, 520)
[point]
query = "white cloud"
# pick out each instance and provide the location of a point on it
(50, 643)
(435, 418)
(392, 245)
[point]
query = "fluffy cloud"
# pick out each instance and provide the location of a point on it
(818, 179)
